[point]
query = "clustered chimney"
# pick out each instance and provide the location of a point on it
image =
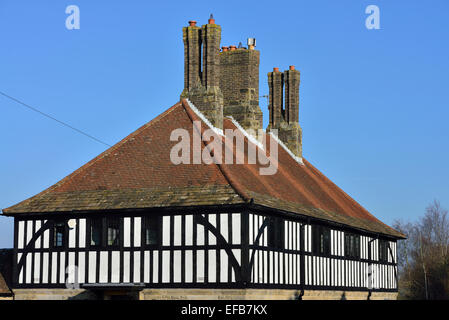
(222, 83)
(226, 83)
(285, 120)
(201, 69)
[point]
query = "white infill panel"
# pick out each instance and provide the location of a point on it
(177, 270)
(236, 229)
(223, 266)
(126, 232)
(189, 230)
(165, 266)
(165, 230)
(103, 267)
(82, 232)
(177, 231)
(189, 266)
(115, 265)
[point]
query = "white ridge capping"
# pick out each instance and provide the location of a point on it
(204, 119)
(259, 143)
(297, 159)
(245, 133)
(250, 137)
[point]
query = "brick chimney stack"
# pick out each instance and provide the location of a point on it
(285, 120)
(291, 95)
(201, 86)
(192, 51)
(275, 86)
(239, 82)
(222, 83)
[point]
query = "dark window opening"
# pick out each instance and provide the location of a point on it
(152, 230)
(276, 232)
(383, 250)
(352, 245)
(96, 231)
(113, 231)
(321, 243)
(59, 238)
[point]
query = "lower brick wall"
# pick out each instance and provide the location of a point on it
(206, 294)
(53, 294)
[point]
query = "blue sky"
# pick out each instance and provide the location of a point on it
(373, 103)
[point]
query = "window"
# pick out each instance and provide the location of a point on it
(152, 230)
(352, 245)
(58, 240)
(113, 231)
(96, 226)
(383, 250)
(276, 232)
(321, 240)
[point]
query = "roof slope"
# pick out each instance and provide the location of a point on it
(137, 173)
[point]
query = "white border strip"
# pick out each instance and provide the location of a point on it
(204, 119)
(250, 137)
(297, 159)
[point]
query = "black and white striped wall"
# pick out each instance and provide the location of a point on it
(282, 267)
(204, 249)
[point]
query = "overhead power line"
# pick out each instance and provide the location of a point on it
(54, 119)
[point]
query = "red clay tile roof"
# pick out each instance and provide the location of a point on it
(137, 173)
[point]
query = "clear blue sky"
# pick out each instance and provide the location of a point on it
(373, 103)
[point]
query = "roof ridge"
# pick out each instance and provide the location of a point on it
(226, 174)
(348, 197)
(100, 156)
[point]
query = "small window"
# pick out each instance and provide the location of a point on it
(58, 240)
(113, 231)
(383, 250)
(96, 231)
(152, 230)
(352, 245)
(321, 240)
(276, 233)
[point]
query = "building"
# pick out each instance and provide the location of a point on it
(5, 274)
(134, 224)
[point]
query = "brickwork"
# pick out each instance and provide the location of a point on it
(192, 55)
(239, 83)
(221, 84)
(285, 119)
(211, 37)
(54, 294)
(275, 86)
(204, 294)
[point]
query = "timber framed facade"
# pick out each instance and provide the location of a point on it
(200, 248)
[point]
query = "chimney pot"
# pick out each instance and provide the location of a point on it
(292, 67)
(211, 19)
(232, 48)
(192, 23)
(275, 69)
(225, 48)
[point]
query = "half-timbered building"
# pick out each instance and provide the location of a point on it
(133, 223)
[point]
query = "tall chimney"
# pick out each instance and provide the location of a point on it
(192, 52)
(239, 83)
(275, 86)
(285, 120)
(202, 86)
(291, 95)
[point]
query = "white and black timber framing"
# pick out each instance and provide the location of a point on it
(202, 247)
